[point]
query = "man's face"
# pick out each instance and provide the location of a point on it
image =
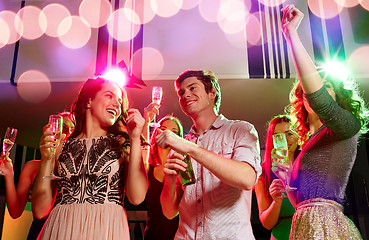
(193, 98)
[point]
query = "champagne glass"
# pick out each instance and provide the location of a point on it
(281, 167)
(9, 139)
(157, 94)
(56, 126)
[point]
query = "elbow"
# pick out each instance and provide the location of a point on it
(169, 214)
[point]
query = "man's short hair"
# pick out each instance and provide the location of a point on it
(208, 79)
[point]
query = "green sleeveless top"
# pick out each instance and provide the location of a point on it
(283, 227)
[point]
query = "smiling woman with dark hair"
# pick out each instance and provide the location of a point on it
(96, 165)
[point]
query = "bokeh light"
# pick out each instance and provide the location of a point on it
(5, 33)
(32, 28)
(232, 16)
(116, 75)
(121, 25)
(142, 8)
(152, 62)
(166, 8)
(95, 12)
(55, 13)
(272, 3)
(189, 4)
(325, 9)
(365, 4)
(33, 86)
(15, 25)
(74, 32)
(209, 10)
(254, 29)
(358, 62)
(348, 3)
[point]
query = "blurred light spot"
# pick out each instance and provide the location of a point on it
(78, 32)
(336, 69)
(209, 10)
(189, 4)
(15, 25)
(142, 8)
(55, 13)
(325, 9)
(121, 24)
(272, 3)
(116, 75)
(33, 86)
(254, 29)
(348, 3)
(166, 8)
(95, 12)
(152, 62)
(238, 39)
(5, 33)
(32, 28)
(358, 62)
(232, 16)
(365, 4)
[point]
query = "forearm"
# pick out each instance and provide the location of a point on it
(43, 192)
(306, 70)
(169, 199)
(270, 216)
(136, 184)
(234, 173)
(13, 202)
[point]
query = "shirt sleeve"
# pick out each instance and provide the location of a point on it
(246, 146)
(341, 121)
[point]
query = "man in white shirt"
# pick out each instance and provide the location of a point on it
(226, 161)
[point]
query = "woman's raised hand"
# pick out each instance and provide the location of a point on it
(150, 111)
(135, 123)
(290, 20)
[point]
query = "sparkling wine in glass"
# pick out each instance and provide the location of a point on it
(157, 94)
(56, 126)
(281, 166)
(9, 139)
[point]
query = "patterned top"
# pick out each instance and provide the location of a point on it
(91, 171)
(211, 209)
(323, 167)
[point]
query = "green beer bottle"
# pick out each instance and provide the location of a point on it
(187, 177)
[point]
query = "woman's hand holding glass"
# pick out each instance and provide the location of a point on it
(276, 190)
(281, 166)
(6, 165)
(50, 140)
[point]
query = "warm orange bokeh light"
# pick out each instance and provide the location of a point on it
(33, 86)
(34, 22)
(15, 25)
(74, 32)
(95, 12)
(55, 13)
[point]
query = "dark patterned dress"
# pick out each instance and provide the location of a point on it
(90, 193)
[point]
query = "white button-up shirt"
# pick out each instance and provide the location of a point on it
(211, 209)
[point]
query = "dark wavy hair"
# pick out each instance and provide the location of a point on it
(267, 175)
(347, 96)
(154, 154)
(88, 92)
(208, 79)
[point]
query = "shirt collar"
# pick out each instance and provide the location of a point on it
(219, 122)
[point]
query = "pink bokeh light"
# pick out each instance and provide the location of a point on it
(74, 32)
(5, 33)
(34, 22)
(325, 9)
(152, 62)
(142, 8)
(15, 25)
(55, 13)
(95, 12)
(33, 86)
(124, 24)
(358, 62)
(166, 8)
